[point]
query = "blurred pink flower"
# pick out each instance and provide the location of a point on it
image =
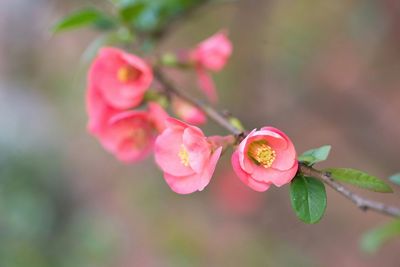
(188, 112)
(185, 156)
(131, 134)
(235, 198)
(265, 157)
(121, 78)
(211, 55)
(99, 114)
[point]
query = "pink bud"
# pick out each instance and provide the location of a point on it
(265, 157)
(185, 156)
(211, 55)
(188, 112)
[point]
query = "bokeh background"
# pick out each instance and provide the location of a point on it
(326, 72)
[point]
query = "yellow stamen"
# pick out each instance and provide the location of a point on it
(261, 153)
(127, 73)
(184, 156)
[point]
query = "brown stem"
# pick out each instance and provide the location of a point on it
(361, 202)
(211, 112)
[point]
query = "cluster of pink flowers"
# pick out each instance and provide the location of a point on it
(131, 127)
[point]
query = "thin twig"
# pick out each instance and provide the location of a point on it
(361, 202)
(211, 112)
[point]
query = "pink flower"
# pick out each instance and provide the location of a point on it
(185, 156)
(121, 78)
(131, 134)
(211, 55)
(188, 112)
(213, 52)
(99, 114)
(265, 157)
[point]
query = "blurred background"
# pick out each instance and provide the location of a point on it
(326, 72)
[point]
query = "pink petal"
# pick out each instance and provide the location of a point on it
(271, 175)
(126, 151)
(245, 177)
(198, 148)
(195, 182)
(245, 163)
(175, 124)
(158, 116)
(167, 148)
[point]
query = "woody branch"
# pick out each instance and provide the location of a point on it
(363, 203)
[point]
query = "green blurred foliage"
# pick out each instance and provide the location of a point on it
(39, 225)
(375, 238)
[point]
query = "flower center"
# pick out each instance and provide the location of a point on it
(184, 156)
(261, 153)
(139, 137)
(127, 74)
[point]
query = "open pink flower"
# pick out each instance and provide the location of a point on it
(185, 156)
(211, 55)
(265, 157)
(121, 78)
(188, 112)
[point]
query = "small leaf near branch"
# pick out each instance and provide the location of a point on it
(308, 198)
(312, 156)
(375, 238)
(360, 179)
(395, 178)
(84, 17)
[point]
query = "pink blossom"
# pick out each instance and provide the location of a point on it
(185, 156)
(211, 55)
(265, 157)
(188, 112)
(131, 134)
(121, 78)
(99, 114)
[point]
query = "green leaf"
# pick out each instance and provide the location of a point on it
(129, 13)
(312, 156)
(360, 179)
(82, 18)
(395, 178)
(308, 198)
(374, 239)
